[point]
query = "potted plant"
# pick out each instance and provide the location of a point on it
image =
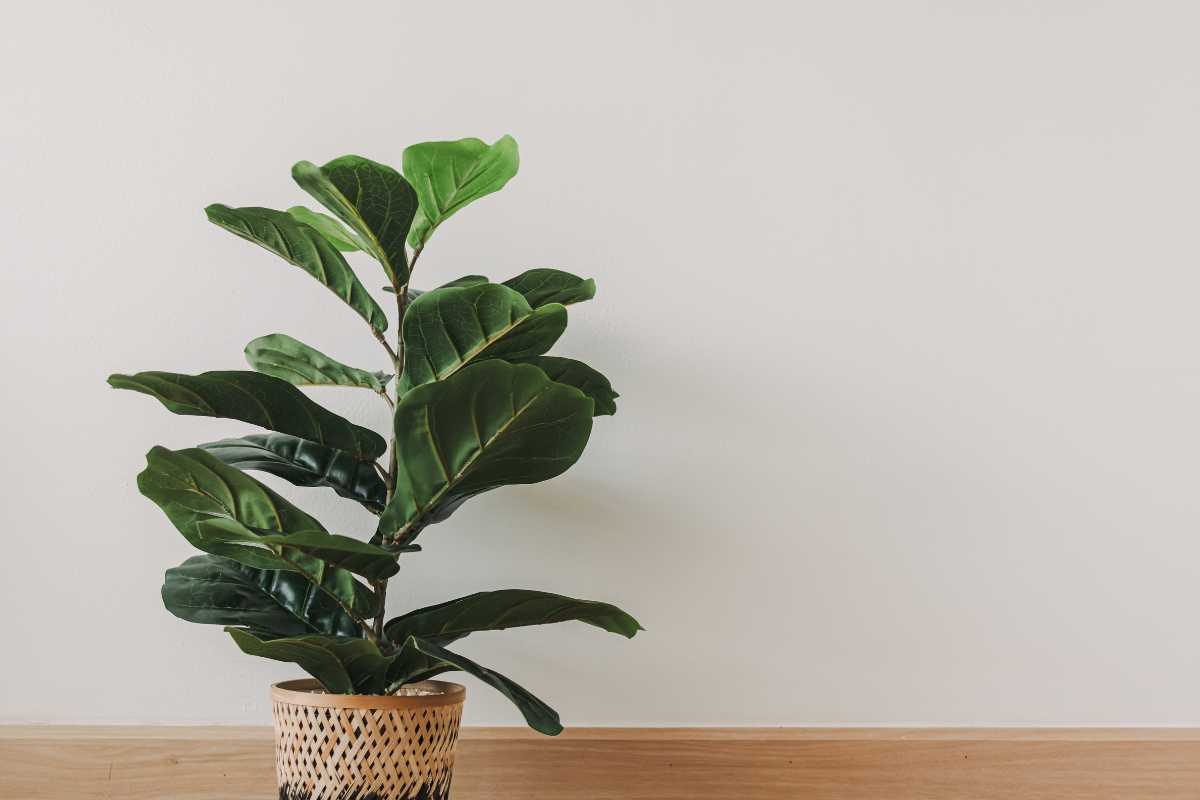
(476, 404)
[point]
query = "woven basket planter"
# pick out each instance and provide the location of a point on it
(365, 747)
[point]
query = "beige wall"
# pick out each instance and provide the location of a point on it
(900, 297)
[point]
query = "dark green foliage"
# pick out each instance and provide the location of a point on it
(304, 463)
(303, 246)
(476, 404)
(258, 399)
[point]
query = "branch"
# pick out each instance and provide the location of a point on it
(389, 476)
(383, 474)
(383, 341)
(381, 593)
(398, 361)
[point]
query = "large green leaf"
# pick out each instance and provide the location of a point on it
(447, 328)
(343, 665)
(212, 590)
(304, 463)
(582, 377)
(295, 362)
(210, 502)
(542, 286)
(373, 199)
(541, 717)
(449, 175)
(333, 550)
(328, 227)
(507, 608)
(491, 424)
(411, 665)
(223, 511)
(303, 246)
(255, 398)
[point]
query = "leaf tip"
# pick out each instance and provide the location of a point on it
(630, 628)
(303, 168)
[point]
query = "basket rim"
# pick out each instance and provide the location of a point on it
(307, 692)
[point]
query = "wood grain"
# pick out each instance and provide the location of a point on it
(223, 763)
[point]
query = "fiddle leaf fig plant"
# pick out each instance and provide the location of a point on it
(476, 404)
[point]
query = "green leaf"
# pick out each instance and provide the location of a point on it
(491, 424)
(336, 551)
(411, 665)
(307, 651)
(211, 503)
(449, 175)
(328, 227)
(542, 286)
(258, 399)
(303, 246)
(582, 377)
(541, 717)
(343, 665)
(211, 590)
(373, 199)
(507, 608)
(447, 328)
(304, 463)
(223, 511)
(295, 362)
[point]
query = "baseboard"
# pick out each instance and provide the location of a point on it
(223, 763)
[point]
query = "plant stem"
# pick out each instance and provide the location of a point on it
(384, 475)
(381, 593)
(393, 468)
(383, 341)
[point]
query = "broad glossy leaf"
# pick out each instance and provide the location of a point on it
(303, 246)
(223, 511)
(212, 590)
(491, 424)
(328, 227)
(255, 398)
(447, 328)
(507, 608)
(211, 502)
(541, 717)
(411, 665)
(343, 665)
(542, 286)
(582, 377)
(449, 175)
(304, 463)
(295, 362)
(335, 551)
(373, 199)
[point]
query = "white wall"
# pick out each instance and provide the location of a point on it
(900, 298)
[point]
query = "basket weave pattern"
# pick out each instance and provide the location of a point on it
(330, 751)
